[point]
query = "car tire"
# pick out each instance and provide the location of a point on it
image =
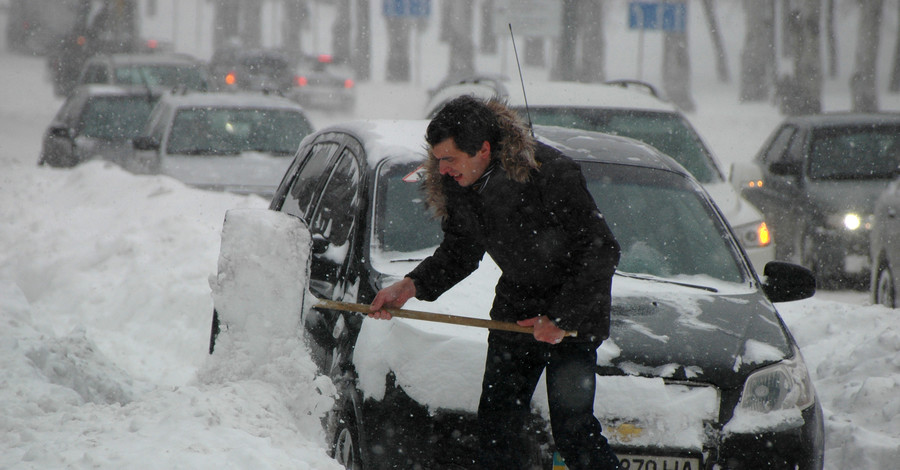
(885, 288)
(345, 446)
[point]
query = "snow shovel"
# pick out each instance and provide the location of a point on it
(433, 317)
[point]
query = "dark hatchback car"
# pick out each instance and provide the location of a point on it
(700, 371)
(254, 69)
(816, 180)
(98, 122)
(885, 245)
(157, 69)
(321, 83)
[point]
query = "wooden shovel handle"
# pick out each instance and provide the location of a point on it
(433, 317)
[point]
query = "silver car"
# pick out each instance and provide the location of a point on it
(236, 142)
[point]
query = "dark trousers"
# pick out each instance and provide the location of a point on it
(511, 373)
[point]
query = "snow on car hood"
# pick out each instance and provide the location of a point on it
(249, 172)
(678, 333)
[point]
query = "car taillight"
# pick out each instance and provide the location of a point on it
(348, 83)
(300, 80)
(230, 78)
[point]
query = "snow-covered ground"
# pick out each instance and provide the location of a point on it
(105, 306)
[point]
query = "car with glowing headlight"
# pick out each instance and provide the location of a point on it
(816, 179)
(699, 371)
(629, 108)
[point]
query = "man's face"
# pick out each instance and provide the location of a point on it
(465, 169)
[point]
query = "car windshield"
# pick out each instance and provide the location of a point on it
(161, 75)
(115, 117)
(668, 132)
(663, 224)
(230, 131)
(266, 65)
(855, 153)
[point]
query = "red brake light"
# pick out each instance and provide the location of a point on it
(152, 43)
(325, 58)
(348, 83)
(300, 80)
(230, 78)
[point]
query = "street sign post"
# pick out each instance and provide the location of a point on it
(407, 8)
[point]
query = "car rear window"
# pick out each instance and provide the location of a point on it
(168, 76)
(115, 117)
(855, 153)
(230, 131)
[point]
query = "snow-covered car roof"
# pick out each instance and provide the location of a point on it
(557, 94)
(239, 99)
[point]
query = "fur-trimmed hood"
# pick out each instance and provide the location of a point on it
(516, 156)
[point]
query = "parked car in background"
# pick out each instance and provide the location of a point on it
(816, 178)
(36, 26)
(631, 109)
(158, 70)
(321, 83)
(699, 372)
(237, 142)
(884, 244)
(98, 122)
(233, 68)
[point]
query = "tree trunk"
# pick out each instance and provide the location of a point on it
(398, 62)
(488, 35)
(758, 56)
(462, 50)
(709, 8)
(295, 19)
(565, 54)
(593, 43)
(534, 51)
(862, 83)
(677, 69)
(251, 24)
(802, 92)
(227, 13)
(362, 54)
(894, 85)
(831, 38)
(341, 31)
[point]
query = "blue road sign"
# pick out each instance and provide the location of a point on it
(667, 16)
(410, 8)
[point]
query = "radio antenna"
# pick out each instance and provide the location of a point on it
(521, 79)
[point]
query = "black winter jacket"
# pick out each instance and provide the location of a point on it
(555, 250)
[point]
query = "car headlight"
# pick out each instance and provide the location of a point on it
(850, 221)
(782, 386)
(753, 235)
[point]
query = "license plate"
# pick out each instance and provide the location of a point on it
(653, 462)
(643, 462)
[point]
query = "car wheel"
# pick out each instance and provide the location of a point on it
(346, 442)
(885, 292)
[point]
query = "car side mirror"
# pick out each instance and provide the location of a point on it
(786, 282)
(785, 168)
(145, 142)
(61, 132)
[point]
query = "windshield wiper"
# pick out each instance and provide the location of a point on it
(406, 260)
(667, 281)
(201, 151)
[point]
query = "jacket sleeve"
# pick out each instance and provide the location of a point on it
(593, 251)
(457, 256)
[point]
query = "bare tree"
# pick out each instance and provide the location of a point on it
(709, 9)
(251, 24)
(398, 61)
(894, 85)
(295, 19)
(593, 43)
(568, 42)
(801, 93)
(488, 37)
(862, 82)
(831, 39)
(227, 13)
(341, 31)
(676, 74)
(758, 55)
(462, 52)
(362, 57)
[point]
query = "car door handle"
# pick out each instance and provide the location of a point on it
(892, 213)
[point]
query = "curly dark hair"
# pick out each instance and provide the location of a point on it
(469, 121)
